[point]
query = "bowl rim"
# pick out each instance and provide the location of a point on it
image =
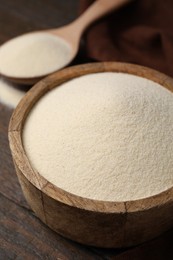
(20, 158)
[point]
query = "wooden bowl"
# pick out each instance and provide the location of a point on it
(91, 222)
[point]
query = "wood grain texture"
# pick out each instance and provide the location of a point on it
(30, 239)
(91, 222)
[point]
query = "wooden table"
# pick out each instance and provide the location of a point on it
(22, 235)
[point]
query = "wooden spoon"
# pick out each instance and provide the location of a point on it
(72, 34)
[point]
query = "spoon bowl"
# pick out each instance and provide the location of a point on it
(69, 34)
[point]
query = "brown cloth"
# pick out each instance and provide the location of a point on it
(140, 32)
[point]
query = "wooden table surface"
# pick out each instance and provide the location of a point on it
(22, 235)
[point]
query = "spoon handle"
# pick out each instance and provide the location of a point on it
(73, 31)
(97, 10)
